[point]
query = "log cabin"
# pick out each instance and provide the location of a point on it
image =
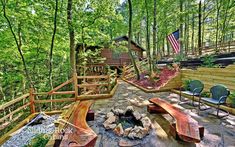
(121, 58)
(115, 59)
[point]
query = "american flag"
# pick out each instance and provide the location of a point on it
(174, 41)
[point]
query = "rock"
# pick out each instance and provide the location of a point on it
(146, 77)
(118, 111)
(127, 143)
(140, 98)
(119, 130)
(143, 115)
(129, 110)
(137, 115)
(149, 87)
(127, 131)
(135, 102)
(146, 122)
(110, 114)
(109, 126)
(138, 132)
(111, 119)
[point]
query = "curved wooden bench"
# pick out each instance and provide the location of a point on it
(82, 134)
(187, 129)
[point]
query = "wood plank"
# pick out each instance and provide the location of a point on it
(93, 77)
(31, 100)
(93, 84)
(61, 85)
(75, 84)
(186, 127)
(65, 115)
(7, 104)
(13, 112)
(63, 92)
(56, 100)
(82, 135)
(6, 124)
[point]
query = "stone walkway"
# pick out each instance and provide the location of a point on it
(217, 132)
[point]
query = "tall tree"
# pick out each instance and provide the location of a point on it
(17, 43)
(154, 34)
(148, 38)
(181, 28)
(200, 27)
(52, 43)
(71, 36)
(129, 41)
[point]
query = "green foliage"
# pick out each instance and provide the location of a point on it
(186, 84)
(119, 47)
(179, 57)
(208, 61)
(205, 94)
(39, 141)
(231, 99)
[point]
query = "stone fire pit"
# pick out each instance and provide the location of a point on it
(128, 123)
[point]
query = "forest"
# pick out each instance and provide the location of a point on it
(117, 73)
(38, 38)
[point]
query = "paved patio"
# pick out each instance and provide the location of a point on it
(217, 132)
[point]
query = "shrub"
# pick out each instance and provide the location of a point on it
(39, 141)
(231, 99)
(208, 61)
(179, 58)
(186, 84)
(205, 94)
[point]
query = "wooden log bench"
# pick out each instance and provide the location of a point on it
(75, 131)
(185, 127)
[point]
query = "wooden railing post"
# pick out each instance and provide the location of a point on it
(109, 86)
(32, 99)
(75, 80)
(116, 74)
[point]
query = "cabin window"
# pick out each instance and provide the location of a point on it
(135, 54)
(116, 55)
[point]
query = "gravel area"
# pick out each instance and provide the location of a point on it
(28, 132)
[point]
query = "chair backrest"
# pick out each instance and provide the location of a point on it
(218, 91)
(196, 84)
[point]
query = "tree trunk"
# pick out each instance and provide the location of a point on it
(154, 35)
(17, 44)
(181, 28)
(129, 41)
(217, 25)
(192, 37)
(71, 36)
(168, 48)
(203, 25)
(148, 39)
(52, 44)
(199, 28)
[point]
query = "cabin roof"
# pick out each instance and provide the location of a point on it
(124, 37)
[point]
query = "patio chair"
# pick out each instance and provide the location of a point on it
(195, 89)
(219, 94)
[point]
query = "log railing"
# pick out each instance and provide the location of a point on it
(13, 110)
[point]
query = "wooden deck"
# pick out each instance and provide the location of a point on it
(187, 129)
(82, 134)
